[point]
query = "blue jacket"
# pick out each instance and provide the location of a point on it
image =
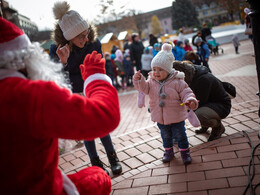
(75, 59)
(180, 52)
(203, 51)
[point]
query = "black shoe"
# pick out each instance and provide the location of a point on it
(114, 162)
(97, 162)
(216, 132)
(201, 130)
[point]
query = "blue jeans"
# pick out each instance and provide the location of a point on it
(175, 131)
(91, 146)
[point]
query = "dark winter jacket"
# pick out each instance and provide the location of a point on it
(128, 67)
(136, 52)
(153, 40)
(210, 91)
(109, 68)
(204, 33)
(75, 59)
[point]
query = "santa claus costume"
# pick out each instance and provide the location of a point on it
(37, 109)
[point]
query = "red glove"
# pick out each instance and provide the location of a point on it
(93, 63)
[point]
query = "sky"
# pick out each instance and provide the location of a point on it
(41, 13)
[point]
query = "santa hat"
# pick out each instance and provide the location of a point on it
(164, 59)
(70, 22)
(11, 37)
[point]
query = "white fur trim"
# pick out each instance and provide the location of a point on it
(180, 75)
(20, 42)
(68, 185)
(97, 76)
(5, 73)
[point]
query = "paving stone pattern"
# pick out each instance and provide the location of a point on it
(219, 166)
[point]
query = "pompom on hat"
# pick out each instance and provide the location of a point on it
(164, 58)
(11, 37)
(70, 22)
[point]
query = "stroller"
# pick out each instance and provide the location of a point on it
(213, 45)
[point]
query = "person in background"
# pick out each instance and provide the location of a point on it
(156, 49)
(187, 46)
(203, 51)
(198, 34)
(120, 68)
(128, 67)
(165, 87)
(146, 62)
(180, 52)
(76, 38)
(127, 44)
(248, 22)
(193, 57)
(114, 48)
(181, 36)
(214, 102)
(205, 32)
(112, 57)
(136, 51)
(38, 108)
(109, 67)
(174, 48)
(152, 40)
(236, 42)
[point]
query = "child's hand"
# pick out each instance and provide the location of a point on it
(137, 76)
(192, 104)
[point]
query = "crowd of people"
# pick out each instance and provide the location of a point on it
(65, 96)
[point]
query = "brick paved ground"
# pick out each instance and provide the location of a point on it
(219, 166)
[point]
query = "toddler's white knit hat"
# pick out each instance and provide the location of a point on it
(164, 58)
(70, 22)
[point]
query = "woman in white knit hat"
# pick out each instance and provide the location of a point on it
(167, 91)
(75, 38)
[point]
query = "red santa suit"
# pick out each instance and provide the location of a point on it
(35, 113)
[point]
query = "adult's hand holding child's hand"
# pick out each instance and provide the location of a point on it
(93, 63)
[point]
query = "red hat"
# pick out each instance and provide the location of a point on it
(175, 41)
(11, 37)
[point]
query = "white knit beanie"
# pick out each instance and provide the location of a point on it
(70, 22)
(164, 59)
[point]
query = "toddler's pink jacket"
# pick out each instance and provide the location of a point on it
(165, 98)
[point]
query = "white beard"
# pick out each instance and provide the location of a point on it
(37, 64)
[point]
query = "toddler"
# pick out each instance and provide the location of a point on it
(120, 67)
(168, 91)
(236, 42)
(187, 46)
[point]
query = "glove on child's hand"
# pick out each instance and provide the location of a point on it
(93, 63)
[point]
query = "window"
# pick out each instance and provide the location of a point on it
(204, 6)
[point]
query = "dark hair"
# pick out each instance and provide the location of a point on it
(134, 35)
(193, 57)
(186, 67)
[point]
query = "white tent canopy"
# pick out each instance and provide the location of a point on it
(106, 38)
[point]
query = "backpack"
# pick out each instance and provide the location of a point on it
(230, 89)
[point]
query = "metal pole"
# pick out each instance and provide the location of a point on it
(255, 18)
